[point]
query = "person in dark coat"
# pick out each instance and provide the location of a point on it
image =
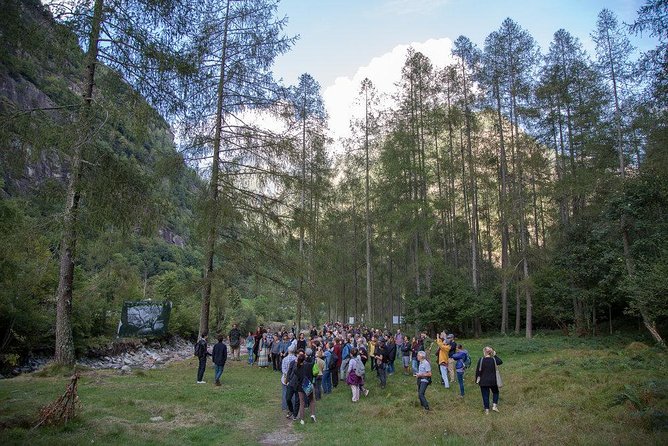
(201, 351)
(485, 376)
(219, 356)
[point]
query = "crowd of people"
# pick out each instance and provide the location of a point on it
(312, 363)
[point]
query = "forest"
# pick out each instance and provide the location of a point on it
(148, 152)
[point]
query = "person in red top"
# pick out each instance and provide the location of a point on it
(338, 348)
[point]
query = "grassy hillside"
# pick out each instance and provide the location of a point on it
(558, 390)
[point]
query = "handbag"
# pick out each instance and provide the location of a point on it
(307, 387)
(499, 381)
(477, 380)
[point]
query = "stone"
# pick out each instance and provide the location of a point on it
(157, 419)
(125, 370)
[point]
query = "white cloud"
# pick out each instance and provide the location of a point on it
(384, 71)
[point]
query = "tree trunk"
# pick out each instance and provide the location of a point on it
(64, 346)
(213, 187)
(504, 222)
(366, 210)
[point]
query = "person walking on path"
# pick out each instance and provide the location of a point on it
(201, 351)
(302, 383)
(486, 377)
(423, 376)
(460, 357)
(235, 342)
(219, 356)
(285, 367)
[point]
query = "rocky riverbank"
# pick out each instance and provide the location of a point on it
(134, 355)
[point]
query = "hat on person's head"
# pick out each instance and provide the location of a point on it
(308, 351)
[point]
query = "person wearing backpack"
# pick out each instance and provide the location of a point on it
(462, 361)
(345, 359)
(302, 382)
(356, 373)
(201, 352)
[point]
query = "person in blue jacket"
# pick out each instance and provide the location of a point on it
(460, 356)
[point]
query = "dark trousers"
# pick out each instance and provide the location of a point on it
(422, 388)
(201, 368)
(292, 401)
(276, 361)
(317, 387)
(335, 377)
(382, 374)
(485, 395)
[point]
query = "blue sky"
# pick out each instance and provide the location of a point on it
(343, 41)
(338, 36)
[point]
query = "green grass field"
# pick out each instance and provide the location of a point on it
(557, 390)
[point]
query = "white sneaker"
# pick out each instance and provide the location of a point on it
(494, 408)
(313, 418)
(366, 392)
(201, 382)
(486, 411)
(301, 422)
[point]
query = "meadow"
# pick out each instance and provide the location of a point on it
(558, 390)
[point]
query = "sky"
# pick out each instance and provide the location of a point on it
(343, 41)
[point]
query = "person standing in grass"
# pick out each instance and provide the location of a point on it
(250, 343)
(423, 376)
(450, 340)
(391, 350)
(443, 350)
(235, 341)
(356, 374)
(459, 357)
(263, 352)
(320, 364)
(381, 363)
(485, 376)
(406, 355)
(337, 352)
(201, 351)
(276, 353)
(219, 356)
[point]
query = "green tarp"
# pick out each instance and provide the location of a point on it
(144, 318)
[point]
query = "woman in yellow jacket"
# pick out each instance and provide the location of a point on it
(443, 350)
